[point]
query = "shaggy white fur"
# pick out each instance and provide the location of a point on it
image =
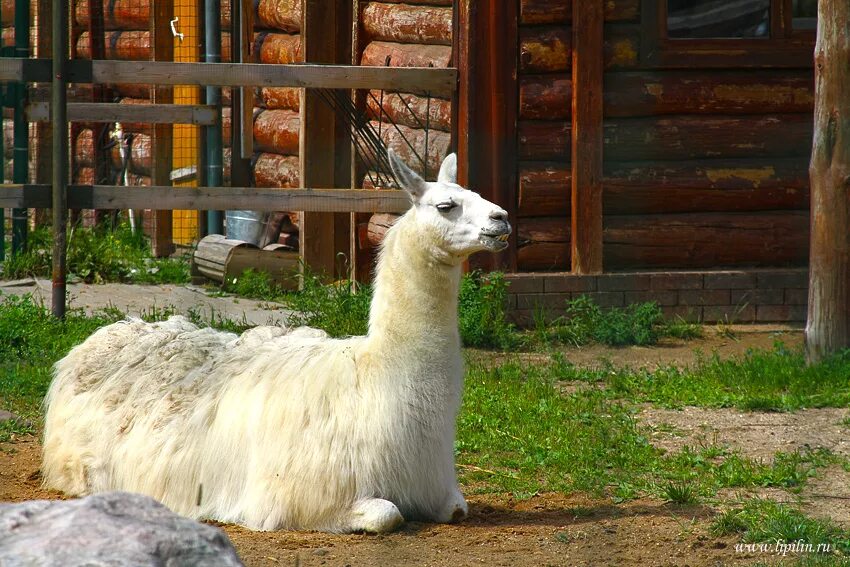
(288, 429)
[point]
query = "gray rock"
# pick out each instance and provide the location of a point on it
(108, 530)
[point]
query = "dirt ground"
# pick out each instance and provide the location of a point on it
(556, 529)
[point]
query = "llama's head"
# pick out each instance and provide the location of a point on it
(460, 221)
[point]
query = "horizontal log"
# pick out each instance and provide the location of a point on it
(543, 229)
(130, 46)
(422, 2)
(7, 10)
(541, 140)
(544, 189)
(279, 14)
(280, 48)
(125, 14)
(288, 98)
(206, 198)
(544, 49)
(706, 186)
(379, 223)
(274, 170)
(715, 92)
(277, 131)
(717, 137)
(140, 152)
(439, 82)
(547, 49)
(401, 138)
(8, 36)
(706, 240)
(560, 11)
(678, 138)
(544, 256)
(377, 53)
(547, 97)
(410, 110)
(407, 24)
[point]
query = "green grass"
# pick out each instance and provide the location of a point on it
(96, 256)
(766, 521)
(774, 380)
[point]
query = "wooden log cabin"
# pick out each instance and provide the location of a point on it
(645, 150)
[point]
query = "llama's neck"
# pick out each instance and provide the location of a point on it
(415, 296)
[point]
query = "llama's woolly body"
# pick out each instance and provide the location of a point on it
(276, 428)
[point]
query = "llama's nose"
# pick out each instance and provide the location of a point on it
(499, 215)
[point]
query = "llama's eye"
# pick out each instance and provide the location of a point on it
(445, 207)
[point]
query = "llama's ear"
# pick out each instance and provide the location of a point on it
(448, 171)
(407, 178)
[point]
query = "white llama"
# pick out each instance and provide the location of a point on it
(279, 429)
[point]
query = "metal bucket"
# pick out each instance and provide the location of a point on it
(249, 226)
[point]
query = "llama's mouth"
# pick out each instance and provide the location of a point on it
(496, 241)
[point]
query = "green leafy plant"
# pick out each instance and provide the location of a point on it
(481, 311)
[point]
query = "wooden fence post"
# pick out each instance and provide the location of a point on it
(322, 143)
(828, 326)
(486, 53)
(163, 50)
(586, 159)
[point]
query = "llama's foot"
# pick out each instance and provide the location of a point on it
(374, 515)
(454, 509)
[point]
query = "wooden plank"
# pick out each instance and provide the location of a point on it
(439, 82)
(319, 27)
(122, 112)
(487, 110)
(706, 240)
(162, 14)
(543, 256)
(587, 136)
(547, 49)
(202, 198)
(707, 92)
(544, 189)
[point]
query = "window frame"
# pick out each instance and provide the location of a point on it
(783, 48)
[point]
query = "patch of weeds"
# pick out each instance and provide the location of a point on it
(255, 284)
(340, 309)
(218, 321)
(481, 312)
(680, 492)
(97, 255)
(586, 322)
(11, 428)
(766, 521)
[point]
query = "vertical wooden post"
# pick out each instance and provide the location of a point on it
(163, 50)
(586, 229)
(240, 165)
(322, 152)
(59, 117)
(486, 52)
(828, 326)
(99, 93)
(43, 130)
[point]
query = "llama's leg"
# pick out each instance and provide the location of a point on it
(454, 509)
(373, 515)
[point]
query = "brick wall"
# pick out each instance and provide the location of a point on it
(739, 296)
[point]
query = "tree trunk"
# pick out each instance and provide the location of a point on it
(828, 327)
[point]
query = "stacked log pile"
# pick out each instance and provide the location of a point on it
(413, 34)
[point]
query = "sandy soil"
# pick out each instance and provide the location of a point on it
(557, 529)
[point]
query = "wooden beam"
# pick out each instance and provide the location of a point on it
(200, 198)
(319, 145)
(828, 326)
(439, 82)
(163, 50)
(488, 52)
(587, 136)
(16, 69)
(201, 114)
